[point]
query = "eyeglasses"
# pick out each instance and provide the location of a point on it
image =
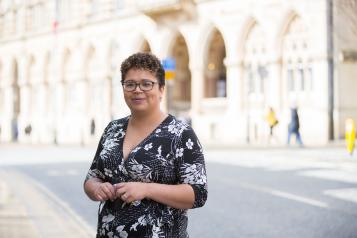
(145, 85)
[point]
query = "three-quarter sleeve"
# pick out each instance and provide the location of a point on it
(191, 165)
(96, 169)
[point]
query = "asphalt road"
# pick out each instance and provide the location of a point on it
(251, 194)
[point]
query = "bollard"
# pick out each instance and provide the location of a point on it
(350, 135)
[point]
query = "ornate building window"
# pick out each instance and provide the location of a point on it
(119, 5)
(14, 19)
(35, 16)
(298, 71)
(64, 11)
(255, 62)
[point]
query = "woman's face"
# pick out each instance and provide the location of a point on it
(139, 100)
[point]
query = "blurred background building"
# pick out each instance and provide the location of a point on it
(60, 59)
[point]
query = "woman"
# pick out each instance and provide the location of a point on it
(149, 167)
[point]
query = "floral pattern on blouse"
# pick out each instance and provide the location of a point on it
(171, 154)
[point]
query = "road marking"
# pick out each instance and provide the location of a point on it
(56, 173)
(282, 194)
(329, 174)
(53, 173)
(306, 200)
(274, 163)
(72, 172)
(348, 194)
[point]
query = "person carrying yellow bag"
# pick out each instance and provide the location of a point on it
(272, 120)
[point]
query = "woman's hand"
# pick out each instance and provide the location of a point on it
(130, 191)
(104, 191)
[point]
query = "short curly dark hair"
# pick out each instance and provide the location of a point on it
(144, 61)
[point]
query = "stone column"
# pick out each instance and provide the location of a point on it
(275, 92)
(235, 116)
(197, 87)
(234, 85)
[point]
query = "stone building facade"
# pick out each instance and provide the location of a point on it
(60, 59)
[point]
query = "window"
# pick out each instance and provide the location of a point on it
(255, 59)
(301, 80)
(290, 80)
(295, 58)
(310, 77)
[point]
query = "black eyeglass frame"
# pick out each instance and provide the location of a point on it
(140, 85)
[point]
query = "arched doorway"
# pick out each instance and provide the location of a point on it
(96, 107)
(255, 63)
(215, 70)
(72, 99)
(47, 97)
(116, 93)
(179, 102)
(145, 47)
(2, 99)
(15, 102)
(30, 96)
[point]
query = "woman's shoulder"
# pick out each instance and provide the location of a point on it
(120, 120)
(117, 123)
(179, 125)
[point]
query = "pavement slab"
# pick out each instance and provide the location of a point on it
(32, 211)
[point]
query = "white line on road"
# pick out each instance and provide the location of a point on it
(283, 194)
(56, 173)
(53, 173)
(330, 174)
(306, 200)
(348, 194)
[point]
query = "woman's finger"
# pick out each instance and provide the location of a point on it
(109, 190)
(120, 191)
(99, 197)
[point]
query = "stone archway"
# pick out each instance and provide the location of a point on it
(215, 70)
(16, 99)
(180, 104)
(1, 92)
(145, 47)
(255, 65)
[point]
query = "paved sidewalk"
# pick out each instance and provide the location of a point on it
(29, 210)
(14, 219)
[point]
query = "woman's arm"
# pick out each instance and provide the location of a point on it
(179, 196)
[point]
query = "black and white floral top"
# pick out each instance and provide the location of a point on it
(171, 154)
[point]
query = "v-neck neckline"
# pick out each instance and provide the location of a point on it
(142, 141)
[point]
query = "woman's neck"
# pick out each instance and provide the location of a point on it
(140, 119)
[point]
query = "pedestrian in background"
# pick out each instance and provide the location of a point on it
(294, 126)
(272, 122)
(149, 167)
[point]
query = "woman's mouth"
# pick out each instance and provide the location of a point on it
(138, 100)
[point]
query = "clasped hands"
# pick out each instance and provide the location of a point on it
(127, 191)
